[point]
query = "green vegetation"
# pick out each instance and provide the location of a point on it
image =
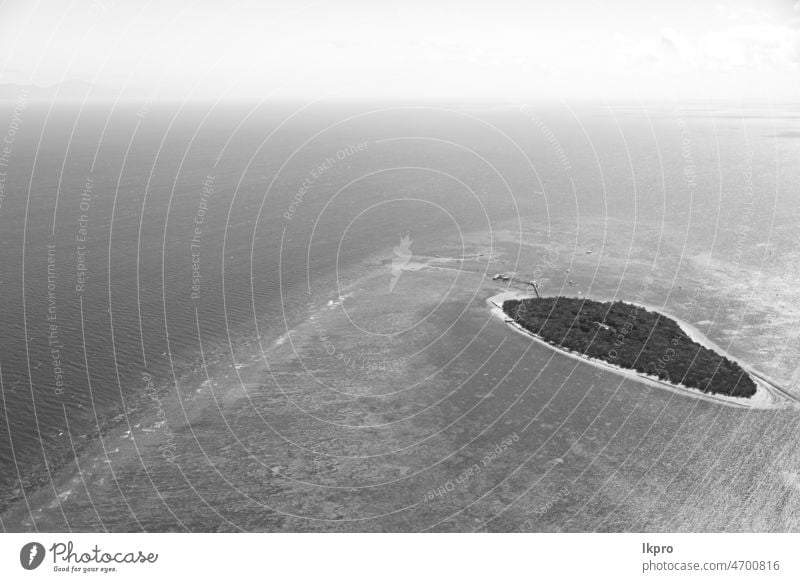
(631, 337)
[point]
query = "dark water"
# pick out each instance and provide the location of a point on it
(110, 213)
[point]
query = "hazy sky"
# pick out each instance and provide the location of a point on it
(499, 50)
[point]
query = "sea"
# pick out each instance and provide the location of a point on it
(272, 316)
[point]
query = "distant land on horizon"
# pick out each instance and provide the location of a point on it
(68, 90)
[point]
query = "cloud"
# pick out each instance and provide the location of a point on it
(668, 48)
(753, 46)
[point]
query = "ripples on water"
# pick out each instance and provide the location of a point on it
(294, 439)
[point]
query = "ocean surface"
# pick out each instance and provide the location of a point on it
(272, 317)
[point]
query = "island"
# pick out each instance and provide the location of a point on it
(630, 336)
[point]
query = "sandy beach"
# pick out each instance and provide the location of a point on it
(768, 394)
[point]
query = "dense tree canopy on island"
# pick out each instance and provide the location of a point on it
(631, 337)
